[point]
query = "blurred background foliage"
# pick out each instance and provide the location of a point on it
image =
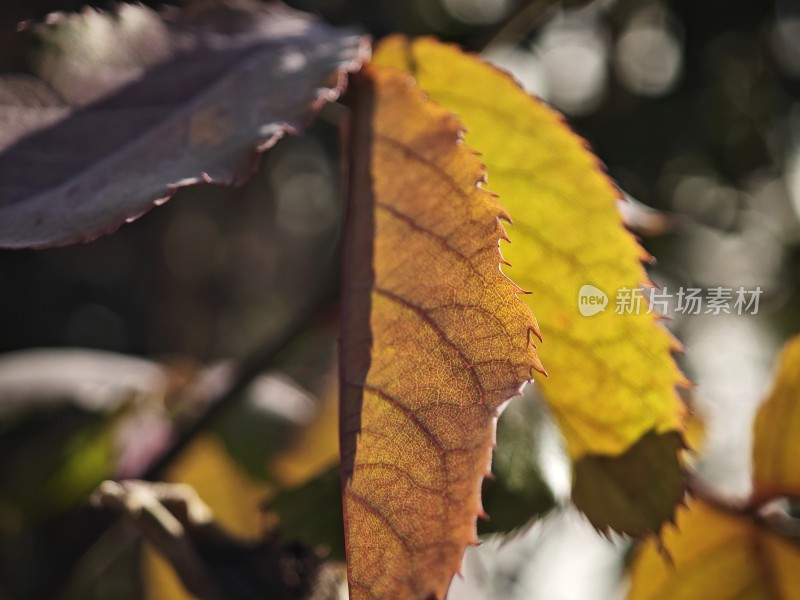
(693, 106)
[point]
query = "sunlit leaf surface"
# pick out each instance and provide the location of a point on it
(434, 341)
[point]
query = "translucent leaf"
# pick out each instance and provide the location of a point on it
(434, 341)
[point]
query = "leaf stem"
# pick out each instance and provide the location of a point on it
(220, 389)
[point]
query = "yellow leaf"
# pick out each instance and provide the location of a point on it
(717, 555)
(776, 439)
(611, 377)
(434, 341)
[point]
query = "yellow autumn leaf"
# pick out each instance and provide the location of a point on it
(719, 555)
(776, 438)
(434, 340)
(611, 377)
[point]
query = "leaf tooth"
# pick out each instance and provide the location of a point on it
(539, 368)
(535, 331)
(504, 215)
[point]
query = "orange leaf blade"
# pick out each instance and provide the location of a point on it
(434, 341)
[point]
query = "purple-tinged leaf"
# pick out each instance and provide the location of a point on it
(103, 115)
(94, 380)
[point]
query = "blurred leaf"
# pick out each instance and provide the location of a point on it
(312, 513)
(286, 430)
(91, 379)
(231, 493)
(516, 492)
(109, 112)
(612, 377)
(272, 409)
(65, 419)
(51, 461)
(717, 555)
(434, 341)
(776, 439)
(315, 448)
(308, 508)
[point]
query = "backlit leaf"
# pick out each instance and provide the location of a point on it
(70, 418)
(434, 341)
(717, 555)
(776, 439)
(311, 513)
(612, 376)
(104, 110)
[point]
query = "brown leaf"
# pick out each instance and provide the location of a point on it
(103, 111)
(434, 341)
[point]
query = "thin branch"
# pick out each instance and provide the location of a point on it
(519, 24)
(766, 511)
(777, 518)
(215, 391)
